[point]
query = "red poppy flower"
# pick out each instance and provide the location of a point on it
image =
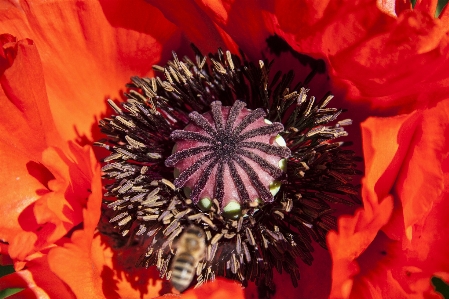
(70, 57)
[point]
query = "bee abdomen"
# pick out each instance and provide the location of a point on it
(182, 271)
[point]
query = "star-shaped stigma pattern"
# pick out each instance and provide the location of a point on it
(228, 149)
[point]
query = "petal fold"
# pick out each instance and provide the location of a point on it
(423, 165)
(24, 134)
(196, 24)
(390, 62)
(355, 234)
(46, 178)
(81, 67)
(407, 166)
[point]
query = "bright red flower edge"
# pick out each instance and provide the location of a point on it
(48, 178)
(50, 151)
(392, 253)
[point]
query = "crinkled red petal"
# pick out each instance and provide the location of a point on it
(89, 50)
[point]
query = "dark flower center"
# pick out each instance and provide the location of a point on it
(229, 161)
(224, 146)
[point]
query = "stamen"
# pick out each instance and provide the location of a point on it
(256, 160)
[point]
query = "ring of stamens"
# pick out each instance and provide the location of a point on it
(144, 210)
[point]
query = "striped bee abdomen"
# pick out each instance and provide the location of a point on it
(190, 250)
(182, 271)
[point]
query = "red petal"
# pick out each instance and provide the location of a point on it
(387, 270)
(327, 33)
(24, 134)
(423, 166)
(197, 26)
(385, 144)
(376, 279)
(232, 17)
(110, 273)
(55, 213)
(408, 156)
(295, 16)
(394, 150)
(39, 277)
(73, 265)
(37, 280)
(387, 61)
(73, 262)
(355, 233)
(89, 52)
(428, 247)
(218, 289)
(23, 97)
(47, 182)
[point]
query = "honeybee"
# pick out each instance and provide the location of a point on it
(190, 251)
